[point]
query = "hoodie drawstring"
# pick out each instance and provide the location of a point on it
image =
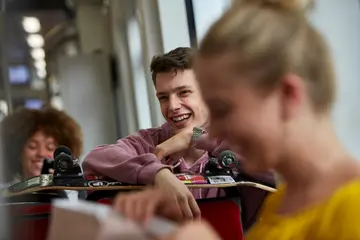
(200, 171)
(177, 164)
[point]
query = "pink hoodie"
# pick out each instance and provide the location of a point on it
(131, 160)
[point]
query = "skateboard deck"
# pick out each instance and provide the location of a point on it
(45, 182)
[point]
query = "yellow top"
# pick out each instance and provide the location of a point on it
(337, 218)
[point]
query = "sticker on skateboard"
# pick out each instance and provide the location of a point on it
(191, 179)
(220, 179)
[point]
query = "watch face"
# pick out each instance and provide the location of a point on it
(197, 132)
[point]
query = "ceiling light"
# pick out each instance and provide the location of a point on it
(31, 24)
(35, 40)
(38, 54)
(41, 73)
(40, 64)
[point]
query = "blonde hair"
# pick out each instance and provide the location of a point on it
(271, 38)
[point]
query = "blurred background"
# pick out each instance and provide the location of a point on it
(91, 58)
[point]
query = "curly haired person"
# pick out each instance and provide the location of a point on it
(28, 136)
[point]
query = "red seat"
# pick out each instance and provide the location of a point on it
(29, 221)
(30, 214)
(106, 201)
(224, 216)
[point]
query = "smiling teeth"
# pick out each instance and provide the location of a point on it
(178, 119)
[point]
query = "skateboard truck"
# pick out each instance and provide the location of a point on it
(225, 164)
(67, 169)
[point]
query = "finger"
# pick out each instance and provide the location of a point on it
(128, 206)
(171, 210)
(194, 231)
(160, 154)
(51, 171)
(185, 208)
(194, 208)
(145, 207)
(118, 204)
(176, 144)
(139, 208)
(149, 211)
(135, 207)
(145, 204)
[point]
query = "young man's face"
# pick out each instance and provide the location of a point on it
(181, 103)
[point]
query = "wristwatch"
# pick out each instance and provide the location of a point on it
(197, 132)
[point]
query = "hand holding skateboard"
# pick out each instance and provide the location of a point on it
(178, 193)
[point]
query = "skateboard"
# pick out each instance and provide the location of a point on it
(45, 182)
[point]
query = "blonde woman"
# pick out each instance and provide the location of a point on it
(267, 76)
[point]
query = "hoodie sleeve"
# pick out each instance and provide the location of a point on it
(130, 160)
(212, 146)
(215, 147)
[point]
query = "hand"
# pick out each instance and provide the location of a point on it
(178, 194)
(194, 231)
(143, 205)
(177, 143)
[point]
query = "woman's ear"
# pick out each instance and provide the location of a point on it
(292, 92)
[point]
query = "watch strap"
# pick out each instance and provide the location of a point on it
(197, 133)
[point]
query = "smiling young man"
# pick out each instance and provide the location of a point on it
(151, 156)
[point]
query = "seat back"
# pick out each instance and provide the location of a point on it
(224, 215)
(106, 201)
(30, 214)
(28, 221)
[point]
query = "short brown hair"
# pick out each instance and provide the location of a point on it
(271, 38)
(178, 59)
(18, 127)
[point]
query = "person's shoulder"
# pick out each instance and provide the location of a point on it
(345, 208)
(347, 199)
(163, 129)
(272, 201)
(157, 134)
